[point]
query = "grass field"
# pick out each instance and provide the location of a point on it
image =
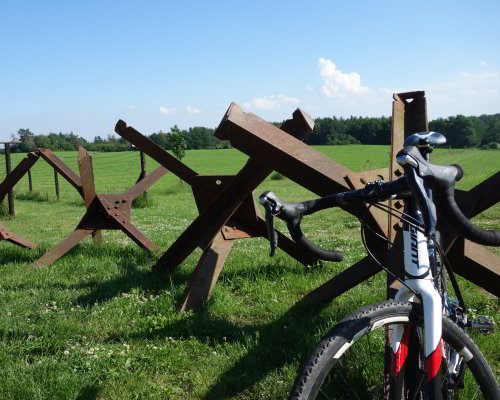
(98, 324)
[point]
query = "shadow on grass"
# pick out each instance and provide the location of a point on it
(132, 276)
(11, 253)
(154, 282)
(288, 339)
(89, 392)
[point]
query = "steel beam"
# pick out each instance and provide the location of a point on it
(476, 263)
(155, 152)
(62, 169)
(205, 275)
(5, 187)
(16, 174)
(104, 211)
(5, 234)
(62, 248)
(145, 182)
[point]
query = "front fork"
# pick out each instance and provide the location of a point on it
(419, 278)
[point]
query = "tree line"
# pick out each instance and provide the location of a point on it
(460, 131)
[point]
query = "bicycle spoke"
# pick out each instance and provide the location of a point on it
(417, 392)
(337, 370)
(324, 394)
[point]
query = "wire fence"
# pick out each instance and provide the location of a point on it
(113, 173)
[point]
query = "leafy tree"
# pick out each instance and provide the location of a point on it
(461, 132)
(201, 138)
(27, 139)
(111, 138)
(493, 133)
(42, 141)
(161, 139)
(177, 142)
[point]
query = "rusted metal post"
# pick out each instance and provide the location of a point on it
(211, 196)
(5, 187)
(104, 211)
(143, 171)
(409, 116)
(16, 174)
(56, 182)
(30, 181)
(88, 185)
(8, 168)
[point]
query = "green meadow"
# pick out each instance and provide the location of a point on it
(98, 324)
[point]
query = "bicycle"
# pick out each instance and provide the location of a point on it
(431, 355)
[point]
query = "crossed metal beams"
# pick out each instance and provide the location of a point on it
(227, 212)
(7, 184)
(104, 211)
(270, 148)
(311, 169)
(314, 171)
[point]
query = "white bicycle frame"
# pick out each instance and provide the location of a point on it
(419, 277)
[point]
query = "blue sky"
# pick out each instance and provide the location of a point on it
(80, 66)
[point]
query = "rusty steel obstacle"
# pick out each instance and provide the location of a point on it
(5, 187)
(271, 148)
(104, 211)
(309, 168)
(316, 172)
(224, 209)
(227, 212)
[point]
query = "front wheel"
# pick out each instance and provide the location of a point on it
(349, 362)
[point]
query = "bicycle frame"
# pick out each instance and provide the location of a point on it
(419, 255)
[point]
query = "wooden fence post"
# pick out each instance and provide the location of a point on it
(143, 171)
(56, 181)
(30, 181)
(8, 168)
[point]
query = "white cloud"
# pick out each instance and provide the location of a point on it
(166, 110)
(482, 63)
(265, 103)
(192, 110)
(473, 92)
(337, 83)
(272, 102)
(288, 100)
(469, 93)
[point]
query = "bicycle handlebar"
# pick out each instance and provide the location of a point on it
(420, 175)
(441, 179)
(292, 213)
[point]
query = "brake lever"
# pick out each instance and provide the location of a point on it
(272, 207)
(272, 235)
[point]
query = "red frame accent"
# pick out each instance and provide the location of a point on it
(433, 362)
(399, 358)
